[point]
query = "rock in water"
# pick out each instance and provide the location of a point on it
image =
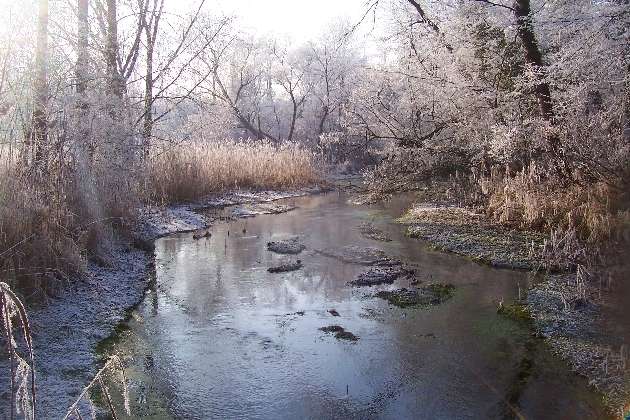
(365, 255)
(375, 276)
(286, 267)
(286, 246)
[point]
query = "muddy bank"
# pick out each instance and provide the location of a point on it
(570, 310)
(66, 329)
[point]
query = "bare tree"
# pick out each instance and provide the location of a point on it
(83, 32)
(150, 26)
(178, 61)
(335, 60)
(291, 76)
(240, 81)
(115, 79)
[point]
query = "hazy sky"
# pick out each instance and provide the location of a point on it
(301, 20)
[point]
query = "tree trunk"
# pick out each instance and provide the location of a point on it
(293, 116)
(151, 33)
(625, 117)
(533, 57)
(82, 49)
(147, 124)
(39, 132)
(322, 119)
(81, 76)
(115, 80)
(259, 134)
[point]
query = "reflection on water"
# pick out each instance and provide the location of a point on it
(226, 339)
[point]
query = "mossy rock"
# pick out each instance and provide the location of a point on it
(375, 276)
(292, 266)
(346, 335)
(441, 291)
(370, 232)
(332, 328)
(431, 294)
(286, 246)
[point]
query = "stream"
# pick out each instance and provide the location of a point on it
(218, 336)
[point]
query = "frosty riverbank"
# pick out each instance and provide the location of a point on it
(66, 329)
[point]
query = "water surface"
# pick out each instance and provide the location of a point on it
(220, 337)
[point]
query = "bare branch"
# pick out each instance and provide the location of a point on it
(430, 23)
(495, 4)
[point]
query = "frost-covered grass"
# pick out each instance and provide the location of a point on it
(39, 247)
(17, 330)
(597, 212)
(196, 168)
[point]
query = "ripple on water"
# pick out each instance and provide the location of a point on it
(230, 340)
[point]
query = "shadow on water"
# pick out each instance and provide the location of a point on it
(220, 337)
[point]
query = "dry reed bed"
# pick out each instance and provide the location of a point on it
(40, 246)
(597, 212)
(197, 168)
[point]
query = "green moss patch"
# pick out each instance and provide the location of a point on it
(370, 232)
(431, 294)
(441, 291)
(517, 311)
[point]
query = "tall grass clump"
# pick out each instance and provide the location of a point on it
(57, 214)
(199, 167)
(39, 248)
(597, 212)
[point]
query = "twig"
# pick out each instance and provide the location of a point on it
(98, 377)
